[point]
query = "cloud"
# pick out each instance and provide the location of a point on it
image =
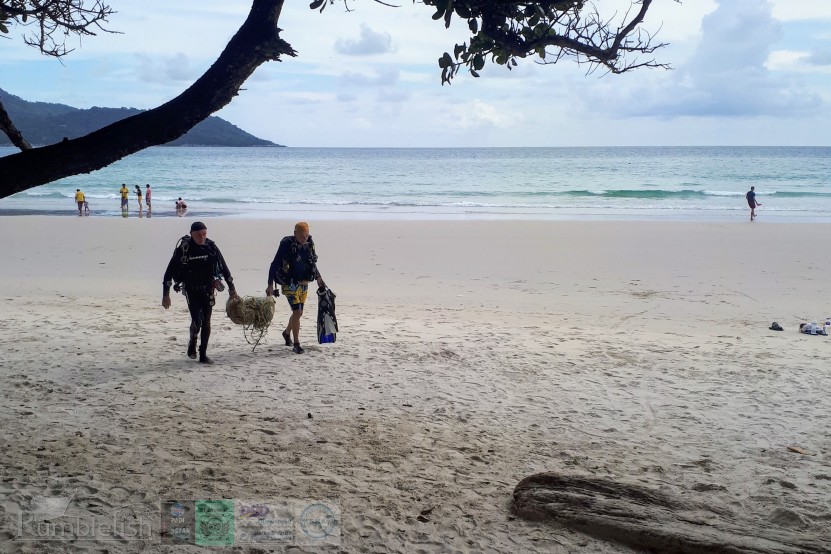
(384, 77)
(728, 75)
(394, 96)
(345, 97)
(820, 58)
(479, 114)
(174, 69)
(368, 44)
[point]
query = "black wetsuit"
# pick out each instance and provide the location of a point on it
(751, 199)
(197, 267)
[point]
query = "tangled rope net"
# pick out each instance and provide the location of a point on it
(254, 314)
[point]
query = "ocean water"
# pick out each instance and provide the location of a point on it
(704, 183)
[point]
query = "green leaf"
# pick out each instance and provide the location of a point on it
(3, 28)
(473, 25)
(478, 62)
(474, 73)
(442, 63)
(316, 4)
(458, 50)
(439, 14)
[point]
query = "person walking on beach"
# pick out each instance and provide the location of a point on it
(751, 201)
(125, 197)
(198, 265)
(138, 196)
(147, 197)
(79, 199)
(294, 265)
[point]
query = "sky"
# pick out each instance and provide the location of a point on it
(744, 72)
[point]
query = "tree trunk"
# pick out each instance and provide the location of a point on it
(256, 42)
(650, 520)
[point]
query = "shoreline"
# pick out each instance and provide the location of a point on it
(450, 214)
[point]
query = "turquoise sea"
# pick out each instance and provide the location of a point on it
(690, 183)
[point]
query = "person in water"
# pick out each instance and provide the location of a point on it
(80, 200)
(125, 197)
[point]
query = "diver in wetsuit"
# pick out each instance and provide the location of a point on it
(198, 265)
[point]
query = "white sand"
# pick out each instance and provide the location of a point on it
(471, 354)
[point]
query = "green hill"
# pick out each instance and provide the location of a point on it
(43, 123)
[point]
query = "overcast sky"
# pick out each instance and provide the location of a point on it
(746, 72)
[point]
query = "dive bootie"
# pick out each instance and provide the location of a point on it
(192, 348)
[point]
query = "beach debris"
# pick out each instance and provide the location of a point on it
(309, 415)
(650, 519)
(254, 314)
(423, 515)
(797, 449)
(705, 487)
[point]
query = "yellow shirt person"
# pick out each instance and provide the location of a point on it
(79, 198)
(125, 196)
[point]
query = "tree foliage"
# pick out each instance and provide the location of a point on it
(502, 31)
(53, 21)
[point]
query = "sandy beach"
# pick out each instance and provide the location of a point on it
(471, 354)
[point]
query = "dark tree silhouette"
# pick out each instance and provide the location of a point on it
(501, 32)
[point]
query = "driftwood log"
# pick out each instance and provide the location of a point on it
(650, 520)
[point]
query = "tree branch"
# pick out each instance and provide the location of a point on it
(55, 17)
(11, 131)
(550, 29)
(256, 42)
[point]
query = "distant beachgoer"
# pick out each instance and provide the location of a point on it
(125, 197)
(147, 197)
(198, 265)
(751, 201)
(86, 207)
(138, 195)
(181, 207)
(294, 265)
(80, 200)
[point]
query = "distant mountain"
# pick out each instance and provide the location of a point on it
(42, 123)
